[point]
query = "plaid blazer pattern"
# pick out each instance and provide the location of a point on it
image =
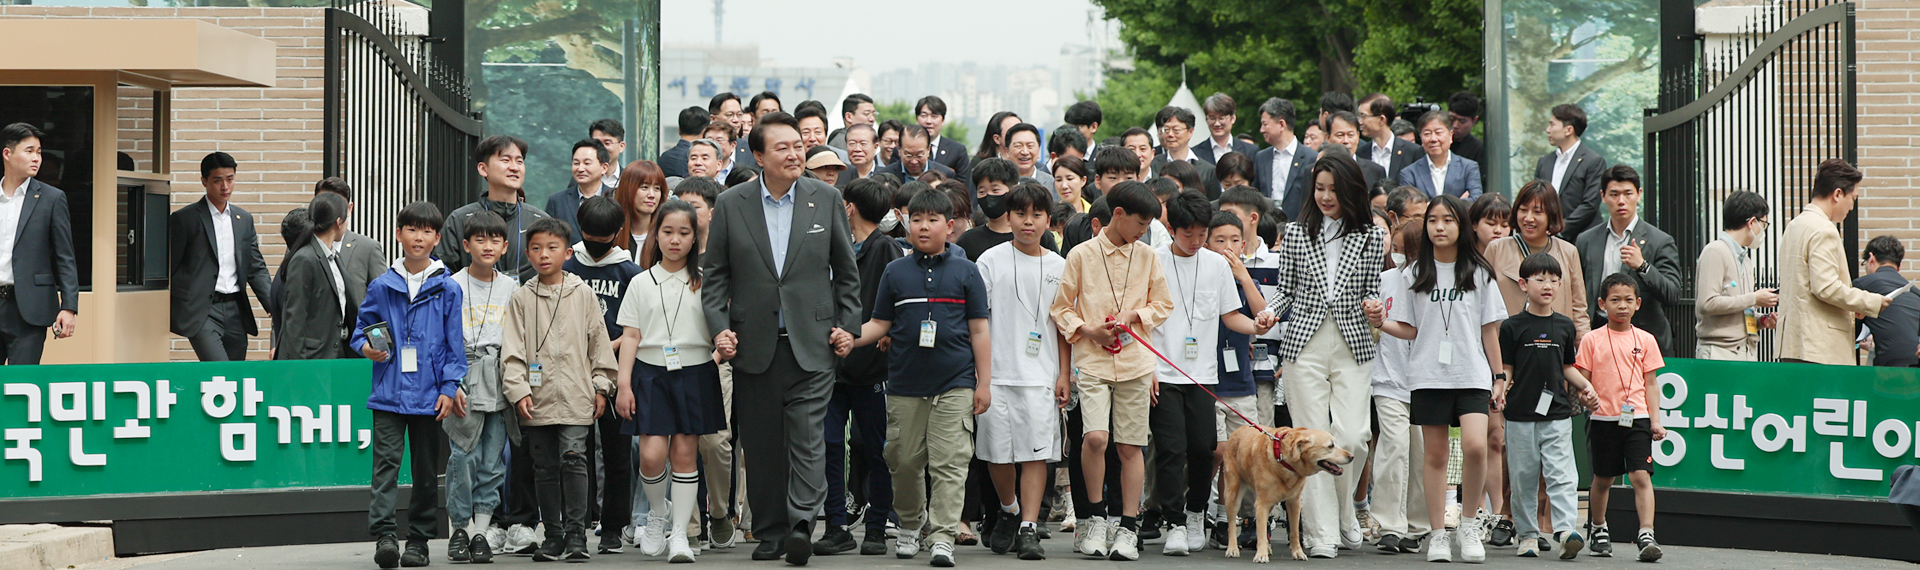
(1303, 284)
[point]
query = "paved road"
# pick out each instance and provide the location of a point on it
(358, 556)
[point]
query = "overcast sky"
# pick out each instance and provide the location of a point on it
(1037, 29)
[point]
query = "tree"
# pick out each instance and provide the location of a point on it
(1620, 37)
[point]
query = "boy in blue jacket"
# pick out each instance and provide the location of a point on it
(416, 381)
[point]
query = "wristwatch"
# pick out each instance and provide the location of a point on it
(1500, 376)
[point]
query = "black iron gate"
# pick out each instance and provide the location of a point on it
(399, 121)
(1757, 111)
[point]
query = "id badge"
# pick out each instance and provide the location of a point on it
(1753, 322)
(409, 359)
(1231, 360)
(1033, 344)
(1260, 359)
(1446, 354)
(673, 357)
(1193, 348)
(1626, 415)
(927, 328)
(1546, 401)
(534, 376)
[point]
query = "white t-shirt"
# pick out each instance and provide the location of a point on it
(484, 307)
(1390, 367)
(1448, 345)
(1020, 289)
(1203, 289)
(667, 312)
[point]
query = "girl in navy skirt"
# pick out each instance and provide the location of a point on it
(669, 384)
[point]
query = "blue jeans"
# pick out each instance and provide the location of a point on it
(867, 406)
(473, 478)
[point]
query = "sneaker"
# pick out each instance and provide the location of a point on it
(907, 545)
(1502, 535)
(875, 543)
(479, 551)
(721, 533)
(942, 555)
(415, 555)
(836, 540)
(1126, 545)
(1217, 536)
(1453, 515)
(1472, 549)
(1529, 548)
(550, 550)
(386, 551)
(653, 537)
(1249, 536)
(1368, 526)
(1649, 549)
(1079, 533)
(678, 551)
(1005, 525)
(457, 546)
(1027, 545)
(1196, 531)
(496, 538)
(630, 535)
(1409, 544)
(521, 540)
(1176, 542)
(610, 543)
(1570, 544)
(1440, 546)
(1323, 551)
(576, 547)
(1351, 537)
(1599, 541)
(1150, 522)
(1094, 535)
(1389, 543)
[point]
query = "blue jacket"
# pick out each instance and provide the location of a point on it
(431, 324)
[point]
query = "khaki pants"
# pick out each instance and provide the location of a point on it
(932, 438)
(1399, 459)
(1711, 352)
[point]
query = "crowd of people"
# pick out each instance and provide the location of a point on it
(773, 327)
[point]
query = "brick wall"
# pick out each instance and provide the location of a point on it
(274, 133)
(1887, 34)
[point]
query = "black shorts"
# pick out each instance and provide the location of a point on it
(1616, 450)
(1444, 406)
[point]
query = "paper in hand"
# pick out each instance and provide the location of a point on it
(1901, 291)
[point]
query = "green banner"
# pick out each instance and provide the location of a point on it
(181, 427)
(1786, 429)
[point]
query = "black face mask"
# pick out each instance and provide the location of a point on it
(598, 249)
(993, 205)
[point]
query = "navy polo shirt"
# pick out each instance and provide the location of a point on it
(946, 289)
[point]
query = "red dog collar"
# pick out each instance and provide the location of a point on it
(1277, 454)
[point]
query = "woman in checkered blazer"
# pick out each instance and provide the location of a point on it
(1329, 262)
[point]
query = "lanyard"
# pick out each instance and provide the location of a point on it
(1121, 293)
(667, 312)
(1039, 289)
(486, 296)
(555, 319)
(1193, 286)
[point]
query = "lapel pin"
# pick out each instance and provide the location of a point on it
(809, 204)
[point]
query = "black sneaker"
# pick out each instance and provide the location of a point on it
(1649, 549)
(875, 543)
(610, 543)
(479, 551)
(1027, 544)
(1389, 543)
(1149, 525)
(416, 554)
(1599, 540)
(457, 546)
(386, 552)
(1217, 536)
(550, 550)
(576, 547)
(1409, 545)
(1249, 536)
(1005, 525)
(1502, 535)
(836, 540)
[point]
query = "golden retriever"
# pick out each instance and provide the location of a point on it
(1250, 460)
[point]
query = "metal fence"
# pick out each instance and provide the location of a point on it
(1758, 112)
(399, 122)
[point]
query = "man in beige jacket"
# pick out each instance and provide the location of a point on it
(1725, 300)
(1817, 301)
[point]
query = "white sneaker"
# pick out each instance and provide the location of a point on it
(1453, 515)
(496, 538)
(1079, 533)
(942, 555)
(653, 538)
(1471, 549)
(1176, 542)
(678, 552)
(1351, 537)
(1440, 546)
(907, 543)
(1098, 532)
(1126, 545)
(519, 537)
(1323, 551)
(1196, 532)
(630, 534)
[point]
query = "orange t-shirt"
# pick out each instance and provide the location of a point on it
(1617, 363)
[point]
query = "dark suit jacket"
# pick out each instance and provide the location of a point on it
(1404, 154)
(565, 205)
(312, 318)
(674, 161)
(193, 266)
(1580, 199)
(1371, 172)
(953, 155)
(1208, 182)
(1659, 280)
(897, 170)
(1463, 177)
(45, 277)
(743, 156)
(1209, 153)
(1896, 327)
(1299, 182)
(817, 291)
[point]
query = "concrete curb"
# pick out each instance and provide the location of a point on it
(46, 546)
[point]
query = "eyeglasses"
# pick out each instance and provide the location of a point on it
(1172, 130)
(1545, 280)
(922, 155)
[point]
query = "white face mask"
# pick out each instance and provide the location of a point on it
(887, 223)
(1399, 259)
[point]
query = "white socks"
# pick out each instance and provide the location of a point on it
(1012, 509)
(479, 523)
(686, 489)
(655, 487)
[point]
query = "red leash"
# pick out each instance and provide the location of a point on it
(1277, 456)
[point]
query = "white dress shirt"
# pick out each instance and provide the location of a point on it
(1282, 168)
(1383, 156)
(1611, 256)
(10, 204)
(1328, 230)
(228, 280)
(1561, 160)
(1439, 172)
(339, 282)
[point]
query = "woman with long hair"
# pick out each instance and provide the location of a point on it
(643, 186)
(991, 140)
(1330, 262)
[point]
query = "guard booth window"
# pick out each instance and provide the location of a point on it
(65, 114)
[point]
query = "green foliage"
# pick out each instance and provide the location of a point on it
(1422, 48)
(1620, 41)
(550, 107)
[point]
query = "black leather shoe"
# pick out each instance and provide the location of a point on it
(768, 550)
(798, 548)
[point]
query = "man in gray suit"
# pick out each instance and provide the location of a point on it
(1574, 169)
(361, 258)
(214, 255)
(781, 291)
(39, 282)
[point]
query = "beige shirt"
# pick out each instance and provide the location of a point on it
(1102, 280)
(1723, 291)
(661, 306)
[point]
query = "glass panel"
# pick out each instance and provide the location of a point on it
(138, 124)
(1602, 55)
(65, 114)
